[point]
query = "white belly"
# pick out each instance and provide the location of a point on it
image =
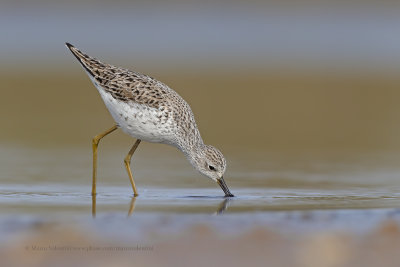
(139, 121)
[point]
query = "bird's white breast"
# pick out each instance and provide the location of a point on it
(138, 120)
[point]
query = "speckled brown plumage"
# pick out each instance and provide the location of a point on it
(133, 87)
(149, 110)
(123, 84)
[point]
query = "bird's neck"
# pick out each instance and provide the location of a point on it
(194, 153)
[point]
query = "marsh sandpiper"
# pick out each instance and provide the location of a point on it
(149, 110)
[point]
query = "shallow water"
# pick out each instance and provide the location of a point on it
(286, 193)
(292, 199)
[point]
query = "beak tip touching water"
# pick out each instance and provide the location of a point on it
(224, 187)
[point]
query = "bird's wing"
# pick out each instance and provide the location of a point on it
(122, 84)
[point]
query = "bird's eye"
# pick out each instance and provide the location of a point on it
(211, 168)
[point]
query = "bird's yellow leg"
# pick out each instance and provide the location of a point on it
(95, 144)
(127, 162)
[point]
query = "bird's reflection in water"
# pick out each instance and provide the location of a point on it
(132, 206)
(222, 206)
(94, 206)
(130, 211)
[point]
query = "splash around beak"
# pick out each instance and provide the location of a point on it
(224, 187)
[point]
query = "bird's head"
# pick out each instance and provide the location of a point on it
(210, 162)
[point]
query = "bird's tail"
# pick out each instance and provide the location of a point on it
(88, 63)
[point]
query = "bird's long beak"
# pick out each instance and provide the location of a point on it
(224, 187)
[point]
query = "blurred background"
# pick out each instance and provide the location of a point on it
(262, 77)
(265, 75)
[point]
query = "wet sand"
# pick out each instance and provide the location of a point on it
(259, 239)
